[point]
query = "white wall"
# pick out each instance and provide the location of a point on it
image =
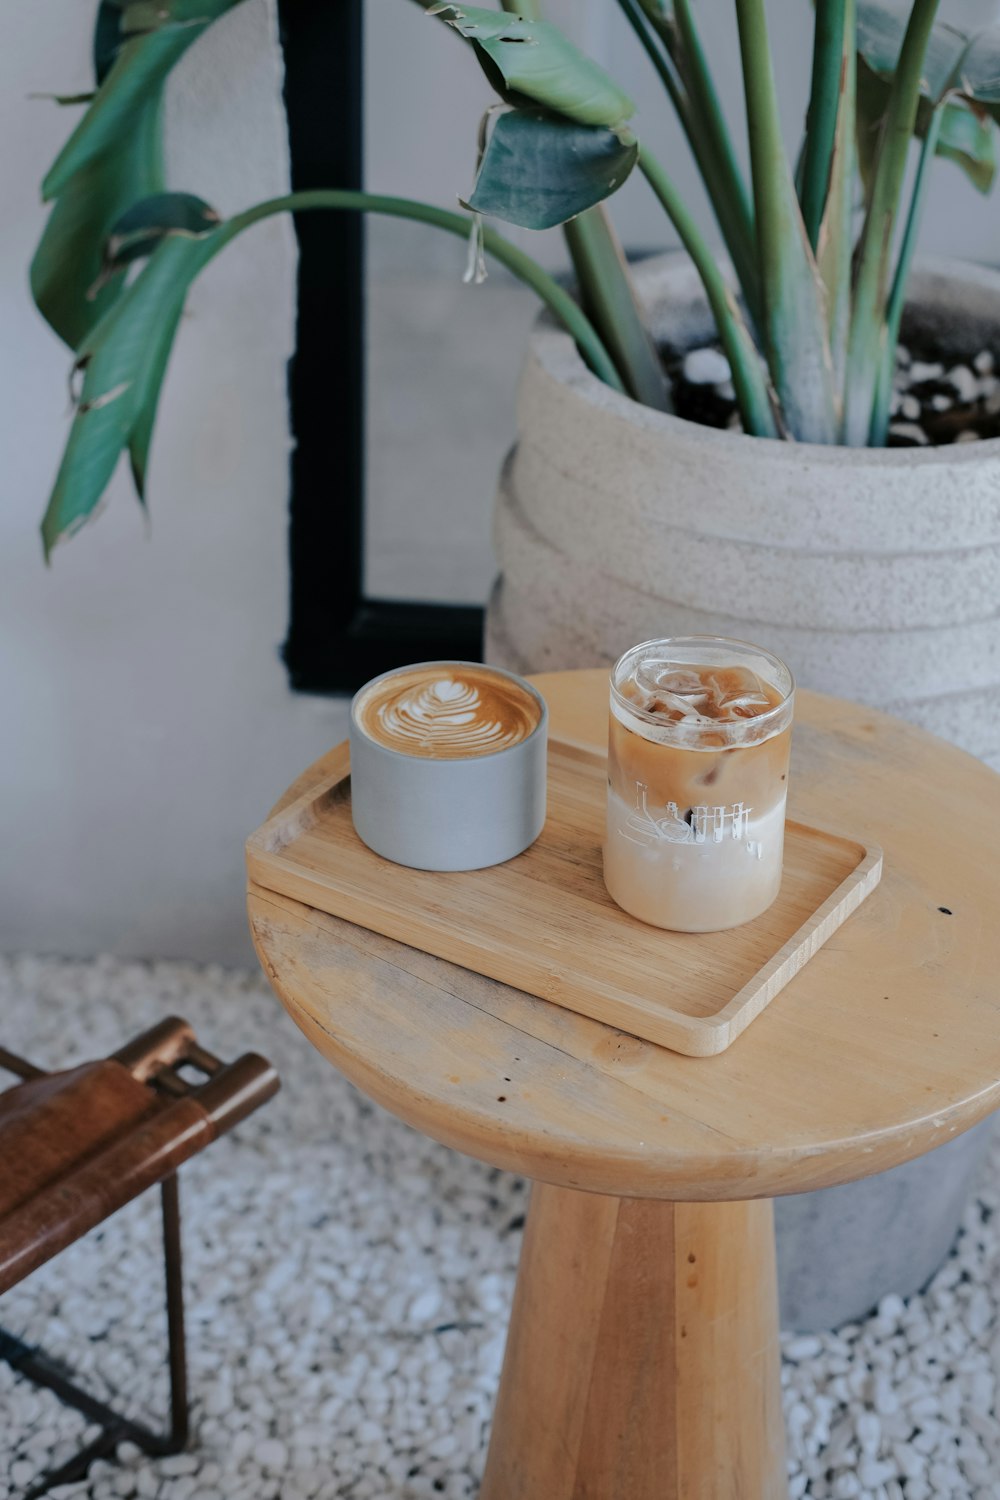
(145, 721)
(145, 718)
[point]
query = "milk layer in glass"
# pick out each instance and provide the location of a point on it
(699, 739)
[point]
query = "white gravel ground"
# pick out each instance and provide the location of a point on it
(349, 1282)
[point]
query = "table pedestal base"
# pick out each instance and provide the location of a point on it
(642, 1359)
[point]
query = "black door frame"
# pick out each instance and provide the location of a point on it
(337, 636)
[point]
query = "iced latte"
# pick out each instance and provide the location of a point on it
(697, 781)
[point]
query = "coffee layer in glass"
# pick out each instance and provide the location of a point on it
(699, 739)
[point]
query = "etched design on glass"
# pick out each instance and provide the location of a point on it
(698, 825)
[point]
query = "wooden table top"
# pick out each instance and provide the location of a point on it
(886, 1045)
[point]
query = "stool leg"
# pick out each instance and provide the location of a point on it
(176, 1343)
(642, 1358)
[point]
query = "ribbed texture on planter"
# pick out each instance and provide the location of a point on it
(874, 573)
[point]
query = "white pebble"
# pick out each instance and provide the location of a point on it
(869, 1430)
(272, 1455)
(945, 1478)
(179, 1463)
(964, 383)
(909, 430)
(706, 367)
(909, 1463)
(873, 1472)
(884, 1398)
(806, 1346)
(846, 1487)
(425, 1307)
(979, 1313)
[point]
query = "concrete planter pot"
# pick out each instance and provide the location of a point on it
(874, 573)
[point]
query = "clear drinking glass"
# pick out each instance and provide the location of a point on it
(697, 781)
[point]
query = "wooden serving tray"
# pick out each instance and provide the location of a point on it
(544, 923)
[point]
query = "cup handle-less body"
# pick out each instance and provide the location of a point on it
(461, 813)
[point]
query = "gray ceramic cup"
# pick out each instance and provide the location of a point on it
(460, 812)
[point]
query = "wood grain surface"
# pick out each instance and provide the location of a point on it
(886, 1044)
(642, 1358)
(545, 923)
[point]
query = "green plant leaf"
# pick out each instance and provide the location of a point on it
(526, 59)
(136, 75)
(967, 138)
(979, 71)
(123, 359)
(147, 395)
(68, 280)
(107, 37)
(967, 134)
(881, 28)
(67, 99)
(141, 228)
(959, 63)
(538, 171)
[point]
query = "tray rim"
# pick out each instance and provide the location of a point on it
(707, 1035)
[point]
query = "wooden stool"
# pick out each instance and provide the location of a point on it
(75, 1147)
(642, 1359)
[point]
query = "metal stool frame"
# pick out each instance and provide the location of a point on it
(155, 1057)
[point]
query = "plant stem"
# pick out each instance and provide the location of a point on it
(683, 71)
(724, 180)
(748, 376)
(658, 53)
(875, 247)
(606, 288)
(794, 327)
(608, 295)
(824, 107)
(556, 298)
(897, 297)
(835, 242)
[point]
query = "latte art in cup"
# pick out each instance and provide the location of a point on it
(447, 713)
(448, 765)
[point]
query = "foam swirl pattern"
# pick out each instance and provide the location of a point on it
(447, 716)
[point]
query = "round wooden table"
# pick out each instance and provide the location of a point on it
(642, 1359)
